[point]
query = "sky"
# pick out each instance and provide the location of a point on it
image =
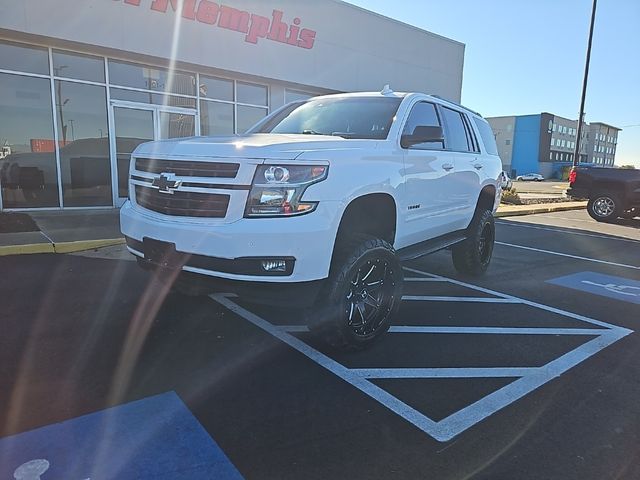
(527, 56)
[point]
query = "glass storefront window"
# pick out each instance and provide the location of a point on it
(296, 95)
(28, 174)
(80, 67)
(252, 94)
(24, 58)
(216, 118)
(148, 78)
(249, 116)
(83, 134)
(132, 127)
(160, 104)
(177, 125)
(216, 88)
(153, 98)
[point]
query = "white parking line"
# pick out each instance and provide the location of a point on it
(528, 378)
(293, 328)
(429, 298)
(587, 259)
(472, 414)
(412, 415)
(541, 306)
(517, 223)
(425, 274)
(426, 279)
(498, 330)
(490, 372)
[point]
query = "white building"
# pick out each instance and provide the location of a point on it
(82, 83)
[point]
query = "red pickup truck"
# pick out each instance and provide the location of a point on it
(612, 192)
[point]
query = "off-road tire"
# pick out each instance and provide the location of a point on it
(604, 207)
(359, 263)
(473, 255)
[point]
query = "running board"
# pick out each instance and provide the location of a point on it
(430, 246)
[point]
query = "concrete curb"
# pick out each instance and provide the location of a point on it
(532, 209)
(26, 249)
(60, 247)
(81, 245)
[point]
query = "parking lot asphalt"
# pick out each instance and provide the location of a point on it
(530, 372)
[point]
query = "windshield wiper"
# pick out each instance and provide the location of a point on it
(344, 134)
(334, 134)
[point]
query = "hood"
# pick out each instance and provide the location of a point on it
(257, 146)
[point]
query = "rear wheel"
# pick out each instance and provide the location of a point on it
(604, 207)
(473, 255)
(362, 294)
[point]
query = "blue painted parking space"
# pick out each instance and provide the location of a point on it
(152, 438)
(618, 288)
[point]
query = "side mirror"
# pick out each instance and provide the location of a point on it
(423, 134)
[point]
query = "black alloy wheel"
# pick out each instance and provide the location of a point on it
(485, 243)
(473, 255)
(362, 294)
(371, 297)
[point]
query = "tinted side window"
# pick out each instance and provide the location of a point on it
(423, 114)
(456, 135)
(488, 139)
(471, 135)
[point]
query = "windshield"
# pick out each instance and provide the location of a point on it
(359, 117)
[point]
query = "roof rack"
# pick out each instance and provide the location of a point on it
(456, 104)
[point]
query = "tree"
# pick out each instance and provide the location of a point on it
(628, 167)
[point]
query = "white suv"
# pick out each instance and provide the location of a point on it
(318, 204)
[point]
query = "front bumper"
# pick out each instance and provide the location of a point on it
(222, 250)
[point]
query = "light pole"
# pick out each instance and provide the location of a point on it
(576, 153)
(60, 103)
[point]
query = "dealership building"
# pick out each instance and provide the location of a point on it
(545, 143)
(82, 83)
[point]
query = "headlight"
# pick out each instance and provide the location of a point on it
(277, 190)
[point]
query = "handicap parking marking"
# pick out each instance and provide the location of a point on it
(609, 286)
(153, 438)
(526, 379)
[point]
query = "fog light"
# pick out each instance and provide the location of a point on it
(274, 265)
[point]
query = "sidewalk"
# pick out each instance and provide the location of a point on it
(515, 210)
(65, 232)
(77, 230)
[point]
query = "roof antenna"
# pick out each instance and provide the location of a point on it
(386, 90)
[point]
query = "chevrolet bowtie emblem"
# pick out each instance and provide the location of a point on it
(166, 183)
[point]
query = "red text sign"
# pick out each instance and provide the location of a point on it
(254, 26)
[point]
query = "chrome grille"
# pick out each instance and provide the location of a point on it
(186, 168)
(183, 204)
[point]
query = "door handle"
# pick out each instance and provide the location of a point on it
(478, 166)
(447, 166)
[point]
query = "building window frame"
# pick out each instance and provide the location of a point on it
(52, 77)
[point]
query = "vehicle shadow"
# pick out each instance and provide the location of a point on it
(627, 222)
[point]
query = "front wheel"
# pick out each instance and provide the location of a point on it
(604, 207)
(362, 294)
(473, 255)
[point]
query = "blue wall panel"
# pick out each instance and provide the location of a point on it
(526, 144)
